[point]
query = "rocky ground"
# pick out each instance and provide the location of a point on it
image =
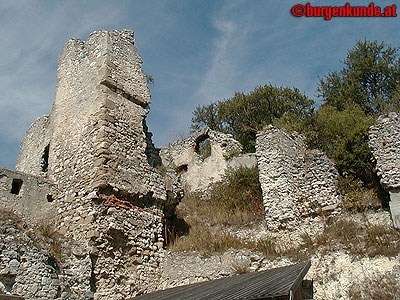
(339, 270)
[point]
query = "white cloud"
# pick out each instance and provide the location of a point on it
(198, 52)
(33, 33)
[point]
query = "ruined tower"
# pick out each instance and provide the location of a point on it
(95, 146)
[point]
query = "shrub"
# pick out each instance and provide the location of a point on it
(236, 200)
(232, 153)
(239, 190)
(9, 218)
(358, 196)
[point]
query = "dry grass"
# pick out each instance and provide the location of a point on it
(202, 239)
(378, 287)
(48, 238)
(338, 234)
(237, 200)
(8, 218)
(269, 248)
(240, 267)
(43, 236)
(357, 239)
(360, 198)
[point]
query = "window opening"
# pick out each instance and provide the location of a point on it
(16, 186)
(45, 159)
(181, 169)
(203, 146)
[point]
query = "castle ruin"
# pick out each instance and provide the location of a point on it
(203, 158)
(91, 170)
(385, 144)
(94, 161)
(298, 184)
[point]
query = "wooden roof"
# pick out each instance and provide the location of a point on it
(270, 284)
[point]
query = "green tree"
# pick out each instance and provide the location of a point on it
(244, 114)
(343, 136)
(368, 85)
(207, 116)
(370, 78)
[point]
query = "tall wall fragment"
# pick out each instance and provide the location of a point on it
(203, 158)
(297, 184)
(96, 148)
(34, 151)
(98, 116)
(384, 140)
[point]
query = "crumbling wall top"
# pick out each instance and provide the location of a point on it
(99, 137)
(181, 152)
(112, 59)
(298, 184)
(384, 140)
(202, 158)
(33, 155)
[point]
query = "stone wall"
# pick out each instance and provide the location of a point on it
(32, 269)
(34, 149)
(31, 196)
(101, 157)
(124, 241)
(384, 140)
(297, 184)
(198, 166)
(101, 148)
(99, 134)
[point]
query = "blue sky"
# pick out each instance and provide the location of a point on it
(197, 52)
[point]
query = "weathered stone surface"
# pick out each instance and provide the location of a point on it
(34, 197)
(297, 183)
(197, 170)
(32, 155)
(98, 117)
(384, 140)
(96, 148)
(29, 270)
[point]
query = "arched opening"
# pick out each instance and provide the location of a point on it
(203, 146)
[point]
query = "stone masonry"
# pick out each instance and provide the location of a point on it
(96, 150)
(90, 172)
(384, 140)
(31, 266)
(29, 195)
(33, 156)
(297, 184)
(198, 167)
